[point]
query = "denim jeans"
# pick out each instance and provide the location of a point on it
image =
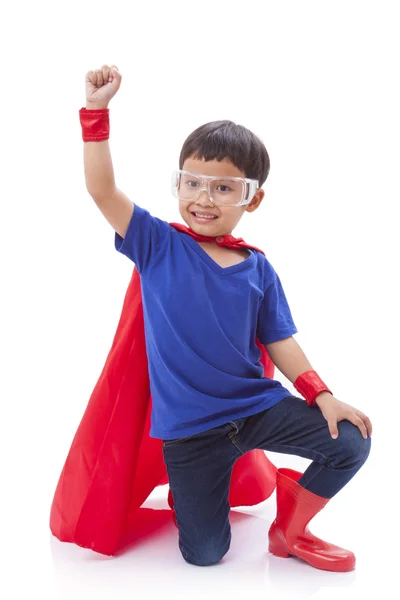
(200, 467)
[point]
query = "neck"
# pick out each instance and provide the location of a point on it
(210, 236)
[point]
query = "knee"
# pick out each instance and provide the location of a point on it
(354, 449)
(205, 555)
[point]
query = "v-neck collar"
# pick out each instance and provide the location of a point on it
(244, 264)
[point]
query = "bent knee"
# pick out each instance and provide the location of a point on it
(354, 449)
(205, 555)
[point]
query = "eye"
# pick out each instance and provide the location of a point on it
(227, 189)
(190, 182)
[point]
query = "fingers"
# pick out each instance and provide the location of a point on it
(95, 77)
(91, 77)
(114, 72)
(366, 420)
(99, 75)
(106, 72)
(116, 77)
(358, 422)
(333, 428)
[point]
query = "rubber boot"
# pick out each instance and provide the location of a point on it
(289, 534)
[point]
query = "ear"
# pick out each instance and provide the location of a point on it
(256, 201)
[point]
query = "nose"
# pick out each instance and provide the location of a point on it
(204, 199)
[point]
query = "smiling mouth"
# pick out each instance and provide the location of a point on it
(204, 216)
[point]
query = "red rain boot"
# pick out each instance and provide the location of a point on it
(289, 534)
(171, 505)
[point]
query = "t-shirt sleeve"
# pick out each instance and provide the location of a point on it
(275, 321)
(145, 237)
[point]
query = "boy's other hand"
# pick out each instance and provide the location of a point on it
(334, 411)
(101, 85)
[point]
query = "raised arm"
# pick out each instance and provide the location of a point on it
(101, 85)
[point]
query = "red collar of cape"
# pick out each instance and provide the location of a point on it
(113, 464)
(224, 240)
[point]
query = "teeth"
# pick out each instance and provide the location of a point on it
(204, 216)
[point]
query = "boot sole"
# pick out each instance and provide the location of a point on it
(279, 548)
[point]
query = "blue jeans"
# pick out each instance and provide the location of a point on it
(200, 467)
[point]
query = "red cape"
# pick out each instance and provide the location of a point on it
(113, 464)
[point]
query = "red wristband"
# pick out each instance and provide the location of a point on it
(95, 124)
(309, 384)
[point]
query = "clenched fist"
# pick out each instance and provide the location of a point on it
(101, 85)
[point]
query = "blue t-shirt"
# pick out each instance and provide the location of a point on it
(201, 322)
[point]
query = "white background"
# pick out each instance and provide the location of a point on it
(318, 82)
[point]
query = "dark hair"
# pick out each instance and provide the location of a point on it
(225, 139)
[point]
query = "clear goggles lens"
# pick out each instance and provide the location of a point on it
(226, 191)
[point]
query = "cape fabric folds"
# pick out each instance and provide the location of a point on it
(113, 464)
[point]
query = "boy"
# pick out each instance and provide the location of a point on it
(206, 298)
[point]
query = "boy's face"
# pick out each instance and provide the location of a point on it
(227, 216)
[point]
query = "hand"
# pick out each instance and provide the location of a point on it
(334, 411)
(102, 85)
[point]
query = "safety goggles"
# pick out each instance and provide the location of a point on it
(222, 191)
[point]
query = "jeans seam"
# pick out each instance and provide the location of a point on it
(175, 442)
(282, 448)
(307, 480)
(231, 437)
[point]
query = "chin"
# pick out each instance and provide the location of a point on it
(210, 229)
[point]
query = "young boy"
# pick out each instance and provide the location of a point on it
(205, 301)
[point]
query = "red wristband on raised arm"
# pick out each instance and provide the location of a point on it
(309, 384)
(95, 124)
